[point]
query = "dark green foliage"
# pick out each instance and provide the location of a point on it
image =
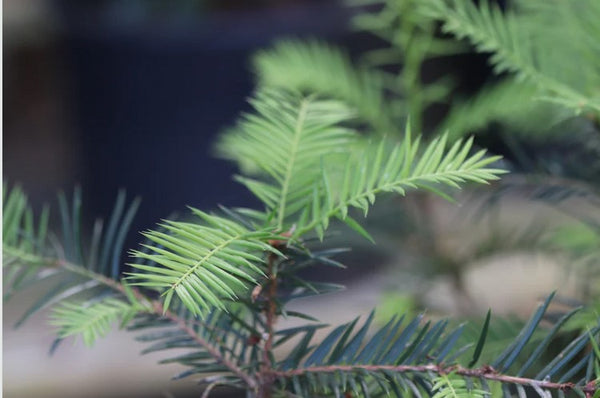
(70, 269)
(400, 351)
(481, 341)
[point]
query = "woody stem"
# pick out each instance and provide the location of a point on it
(267, 378)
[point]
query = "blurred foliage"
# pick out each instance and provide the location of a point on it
(540, 107)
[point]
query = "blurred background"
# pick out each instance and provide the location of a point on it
(112, 94)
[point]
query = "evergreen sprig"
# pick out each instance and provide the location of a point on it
(317, 67)
(297, 156)
(190, 284)
(285, 140)
(203, 264)
(401, 358)
(91, 321)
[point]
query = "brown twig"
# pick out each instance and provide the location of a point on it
(218, 357)
(485, 372)
(157, 308)
(266, 377)
(271, 310)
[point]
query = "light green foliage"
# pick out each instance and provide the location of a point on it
(553, 73)
(314, 66)
(383, 97)
(202, 263)
(451, 386)
(22, 241)
(311, 169)
(91, 321)
(20, 236)
(385, 168)
(286, 141)
(563, 63)
(411, 40)
(510, 102)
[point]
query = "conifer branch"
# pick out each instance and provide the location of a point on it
(289, 167)
(484, 372)
(156, 307)
(267, 378)
(214, 352)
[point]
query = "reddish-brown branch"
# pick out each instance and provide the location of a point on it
(158, 309)
(485, 372)
(182, 324)
(267, 378)
(271, 309)
(268, 374)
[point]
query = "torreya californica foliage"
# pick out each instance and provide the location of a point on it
(215, 283)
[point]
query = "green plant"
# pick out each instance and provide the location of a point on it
(215, 284)
(539, 105)
(386, 86)
(545, 74)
